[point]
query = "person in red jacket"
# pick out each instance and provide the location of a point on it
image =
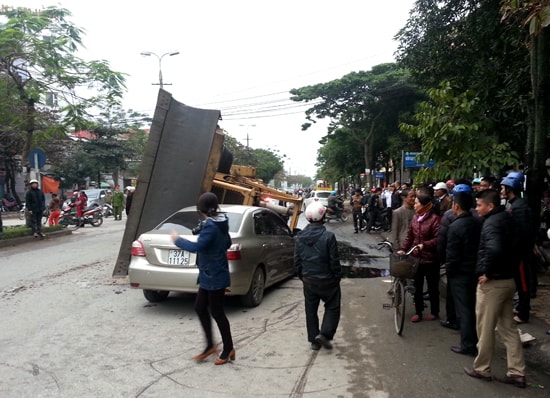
(423, 233)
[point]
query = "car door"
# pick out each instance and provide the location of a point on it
(277, 243)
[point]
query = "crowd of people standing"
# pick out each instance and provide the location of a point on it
(481, 232)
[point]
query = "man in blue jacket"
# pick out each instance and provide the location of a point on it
(317, 264)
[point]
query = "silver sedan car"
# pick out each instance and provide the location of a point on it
(261, 254)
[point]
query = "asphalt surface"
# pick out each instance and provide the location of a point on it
(152, 355)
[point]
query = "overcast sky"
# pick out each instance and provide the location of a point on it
(239, 56)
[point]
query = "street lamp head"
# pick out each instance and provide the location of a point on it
(174, 53)
(146, 53)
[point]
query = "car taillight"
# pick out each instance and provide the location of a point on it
(234, 252)
(315, 199)
(137, 249)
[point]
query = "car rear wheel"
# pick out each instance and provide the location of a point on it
(255, 294)
(155, 296)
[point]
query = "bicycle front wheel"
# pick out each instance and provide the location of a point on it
(399, 305)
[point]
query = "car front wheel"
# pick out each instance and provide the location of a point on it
(255, 294)
(155, 296)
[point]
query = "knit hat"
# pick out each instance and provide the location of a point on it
(208, 203)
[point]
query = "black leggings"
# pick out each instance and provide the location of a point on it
(214, 300)
(431, 273)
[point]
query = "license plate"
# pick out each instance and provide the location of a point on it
(178, 257)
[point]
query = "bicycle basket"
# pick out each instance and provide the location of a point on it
(403, 266)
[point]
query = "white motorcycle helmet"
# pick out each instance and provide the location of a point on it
(315, 212)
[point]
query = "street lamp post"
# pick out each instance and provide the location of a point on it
(148, 54)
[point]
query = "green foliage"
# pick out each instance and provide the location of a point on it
(455, 133)
(299, 180)
(267, 164)
(21, 231)
(467, 42)
(340, 155)
(365, 106)
(44, 81)
(119, 144)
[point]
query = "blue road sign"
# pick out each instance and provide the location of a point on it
(39, 160)
(410, 160)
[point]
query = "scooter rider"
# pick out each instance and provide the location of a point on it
(335, 203)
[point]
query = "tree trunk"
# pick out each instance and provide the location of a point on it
(540, 75)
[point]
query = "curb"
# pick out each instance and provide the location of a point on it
(25, 239)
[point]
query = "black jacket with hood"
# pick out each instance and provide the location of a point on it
(498, 255)
(316, 255)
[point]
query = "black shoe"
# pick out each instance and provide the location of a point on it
(323, 341)
(518, 381)
(449, 324)
(472, 373)
(459, 350)
(364, 229)
(356, 232)
(315, 346)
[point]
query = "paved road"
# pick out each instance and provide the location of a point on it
(69, 329)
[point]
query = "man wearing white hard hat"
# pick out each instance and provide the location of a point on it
(441, 193)
(36, 204)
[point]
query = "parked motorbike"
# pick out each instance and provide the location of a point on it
(9, 205)
(92, 216)
(108, 210)
(341, 214)
(382, 223)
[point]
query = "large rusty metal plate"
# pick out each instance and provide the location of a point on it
(180, 162)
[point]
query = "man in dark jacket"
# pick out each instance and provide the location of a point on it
(36, 204)
(317, 264)
(460, 185)
(496, 261)
(510, 190)
(374, 208)
(460, 261)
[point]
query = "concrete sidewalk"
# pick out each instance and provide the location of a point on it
(537, 352)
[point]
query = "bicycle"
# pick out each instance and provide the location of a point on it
(402, 270)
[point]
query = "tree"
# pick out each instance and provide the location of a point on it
(364, 105)
(267, 164)
(42, 75)
(340, 156)
(457, 136)
(118, 141)
(536, 16)
(467, 43)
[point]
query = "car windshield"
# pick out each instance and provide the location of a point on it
(188, 220)
(323, 194)
(92, 194)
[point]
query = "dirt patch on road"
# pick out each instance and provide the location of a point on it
(540, 305)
